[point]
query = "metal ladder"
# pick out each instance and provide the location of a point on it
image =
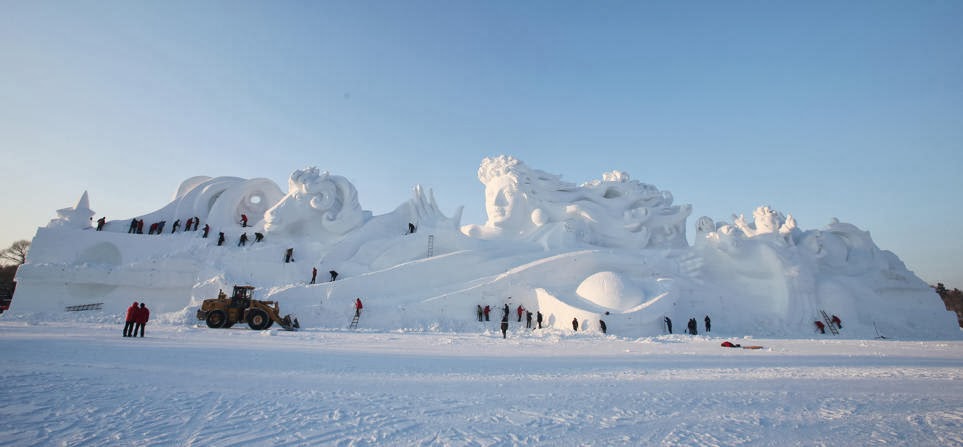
(829, 322)
(354, 321)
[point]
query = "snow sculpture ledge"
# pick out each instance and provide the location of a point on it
(529, 204)
(318, 205)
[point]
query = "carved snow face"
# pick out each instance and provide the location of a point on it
(505, 203)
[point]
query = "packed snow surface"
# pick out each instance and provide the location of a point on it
(82, 384)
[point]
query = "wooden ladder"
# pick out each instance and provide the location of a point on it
(829, 322)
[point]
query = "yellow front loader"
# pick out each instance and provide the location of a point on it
(224, 312)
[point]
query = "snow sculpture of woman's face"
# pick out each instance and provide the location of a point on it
(506, 205)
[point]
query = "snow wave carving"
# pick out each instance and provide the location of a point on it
(217, 201)
(318, 205)
(529, 204)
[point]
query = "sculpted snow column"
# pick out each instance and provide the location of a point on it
(318, 205)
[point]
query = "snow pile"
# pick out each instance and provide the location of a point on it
(612, 249)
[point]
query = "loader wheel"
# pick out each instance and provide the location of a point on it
(216, 319)
(258, 320)
(269, 324)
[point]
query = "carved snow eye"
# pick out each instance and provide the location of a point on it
(254, 200)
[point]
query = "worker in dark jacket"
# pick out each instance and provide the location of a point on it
(142, 316)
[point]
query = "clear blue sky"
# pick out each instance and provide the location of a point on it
(819, 109)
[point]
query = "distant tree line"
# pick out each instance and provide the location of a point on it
(10, 259)
(952, 299)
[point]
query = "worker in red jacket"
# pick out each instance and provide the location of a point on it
(357, 307)
(821, 327)
(142, 315)
(130, 319)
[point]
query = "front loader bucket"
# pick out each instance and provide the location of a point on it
(290, 324)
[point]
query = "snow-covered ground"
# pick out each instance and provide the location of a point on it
(82, 384)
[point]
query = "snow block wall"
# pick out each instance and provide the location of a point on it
(612, 250)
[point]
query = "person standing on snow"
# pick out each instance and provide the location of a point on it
(575, 324)
(668, 324)
(243, 241)
(487, 311)
(177, 224)
(220, 238)
(505, 326)
(602, 325)
(130, 319)
(708, 324)
(244, 220)
(528, 319)
(314, 274)
(538, 318)
(207, 229)
(693, 327)
(357, 307)
(142, 316)
(520, 310)
(480, 312)
(100, 223)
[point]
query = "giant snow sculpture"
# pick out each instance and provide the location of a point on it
(612, 249)
(529, 204)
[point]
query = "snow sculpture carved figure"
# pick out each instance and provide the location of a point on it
(767, 221)
(79, 216)
(529, 204)
(318, 205)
